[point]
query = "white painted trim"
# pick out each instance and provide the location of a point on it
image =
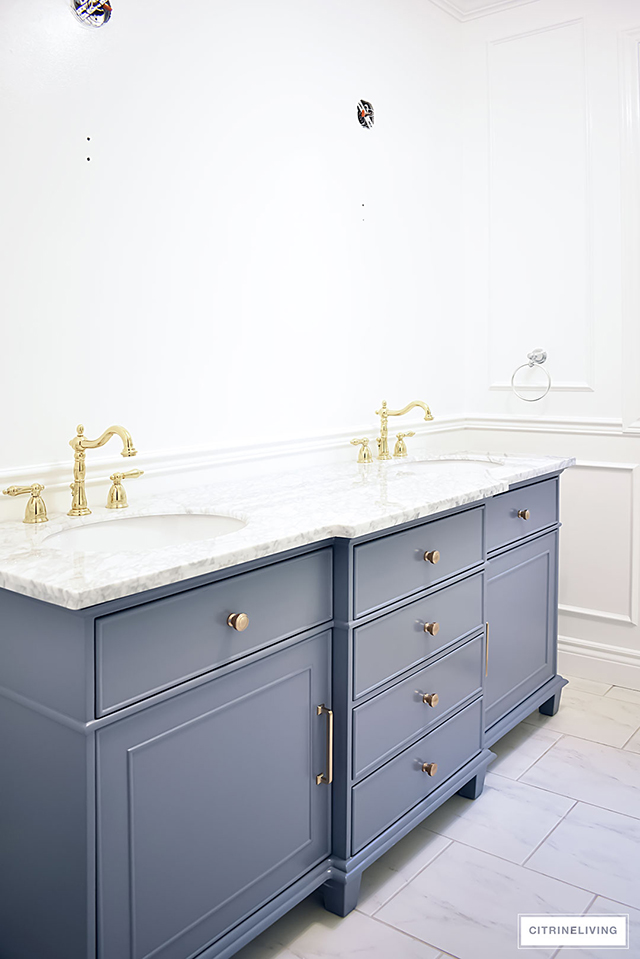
(617, 665)
(600, 426)
(498, 6)
(57, 475)
(598, 614)
(629, 57)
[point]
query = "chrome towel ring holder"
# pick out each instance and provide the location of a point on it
(535, 358)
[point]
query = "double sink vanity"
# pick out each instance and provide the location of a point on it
(228, 697)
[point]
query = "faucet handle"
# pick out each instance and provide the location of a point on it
(36, 511)
(400, 448)
(364, 453)
(117, 497)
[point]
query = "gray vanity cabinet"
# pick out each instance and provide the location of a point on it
(208, 804)
(521, 612)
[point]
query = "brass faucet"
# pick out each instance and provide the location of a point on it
(79, 444)
(384, 413)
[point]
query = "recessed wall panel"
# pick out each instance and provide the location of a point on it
(538, 214)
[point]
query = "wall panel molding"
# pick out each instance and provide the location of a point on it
(629, 615)
(629, 55)
(569, 57)
(464, 10)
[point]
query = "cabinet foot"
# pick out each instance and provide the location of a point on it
(552, 705)
(341, 895)
(474, 787)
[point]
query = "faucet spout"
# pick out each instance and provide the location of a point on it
(79, 444)
(384, 413)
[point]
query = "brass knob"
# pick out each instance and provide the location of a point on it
(431, 699)
(432, 556)
(432, 628)
(430, 768)
(524, 513)
(238, 621)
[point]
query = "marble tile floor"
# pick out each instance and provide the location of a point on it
(556, 830)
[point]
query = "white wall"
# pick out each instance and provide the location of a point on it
(208, 280)
(552, 248)
(239, 261)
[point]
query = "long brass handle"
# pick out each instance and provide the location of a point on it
(430, 768)
(486, 650)
(432, 628)
(432, 556)
(524, 513)
(321, 778)
(238, 621)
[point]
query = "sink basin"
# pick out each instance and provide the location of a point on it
(448, 461)
(144, 532)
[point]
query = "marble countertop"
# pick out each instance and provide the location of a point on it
(281, 510)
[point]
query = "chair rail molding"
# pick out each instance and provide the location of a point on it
(629, 59)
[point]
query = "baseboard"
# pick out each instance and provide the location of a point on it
(617, 665)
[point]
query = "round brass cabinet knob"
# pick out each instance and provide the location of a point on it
(432, 556)
(432, 628)
(524, 513)
(238, 621)
(431, 699)
(430, 768)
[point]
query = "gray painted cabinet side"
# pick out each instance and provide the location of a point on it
(46, 816)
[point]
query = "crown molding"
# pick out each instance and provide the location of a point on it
(463, 10)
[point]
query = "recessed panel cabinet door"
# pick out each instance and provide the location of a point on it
(208, 804)
(522, 613)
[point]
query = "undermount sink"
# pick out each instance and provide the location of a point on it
(460, 461)
(145, 532)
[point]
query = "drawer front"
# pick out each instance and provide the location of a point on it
(399, 714)
(394, 643)
(394, 566)
(142, 650)
(504, 525)
(389, 793)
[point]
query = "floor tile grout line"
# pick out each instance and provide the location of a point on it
(630, 738)
(551, 831)
(415, 876)
(561, 737)
(390, 925)
(584, 739)
(539, 872)
(585, 802)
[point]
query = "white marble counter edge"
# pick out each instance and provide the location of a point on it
(226, 552)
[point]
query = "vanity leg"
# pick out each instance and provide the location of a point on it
(551, 707)
(474, 787)
(341, 896)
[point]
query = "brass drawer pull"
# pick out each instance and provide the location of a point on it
(431, 699)
(321, 778)
(432, 556)
(524, 513)
(238, 621)
(432, 628)
(486, 651)
(430, 768)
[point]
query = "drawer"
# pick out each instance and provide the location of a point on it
(394, 643)
(394, 566)
(386, 795)
(399, 714)
(142, 650)
(505, 525)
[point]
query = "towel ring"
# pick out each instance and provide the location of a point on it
(535, 358)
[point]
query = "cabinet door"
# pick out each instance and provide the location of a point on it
(208, 804)
(521, 611)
